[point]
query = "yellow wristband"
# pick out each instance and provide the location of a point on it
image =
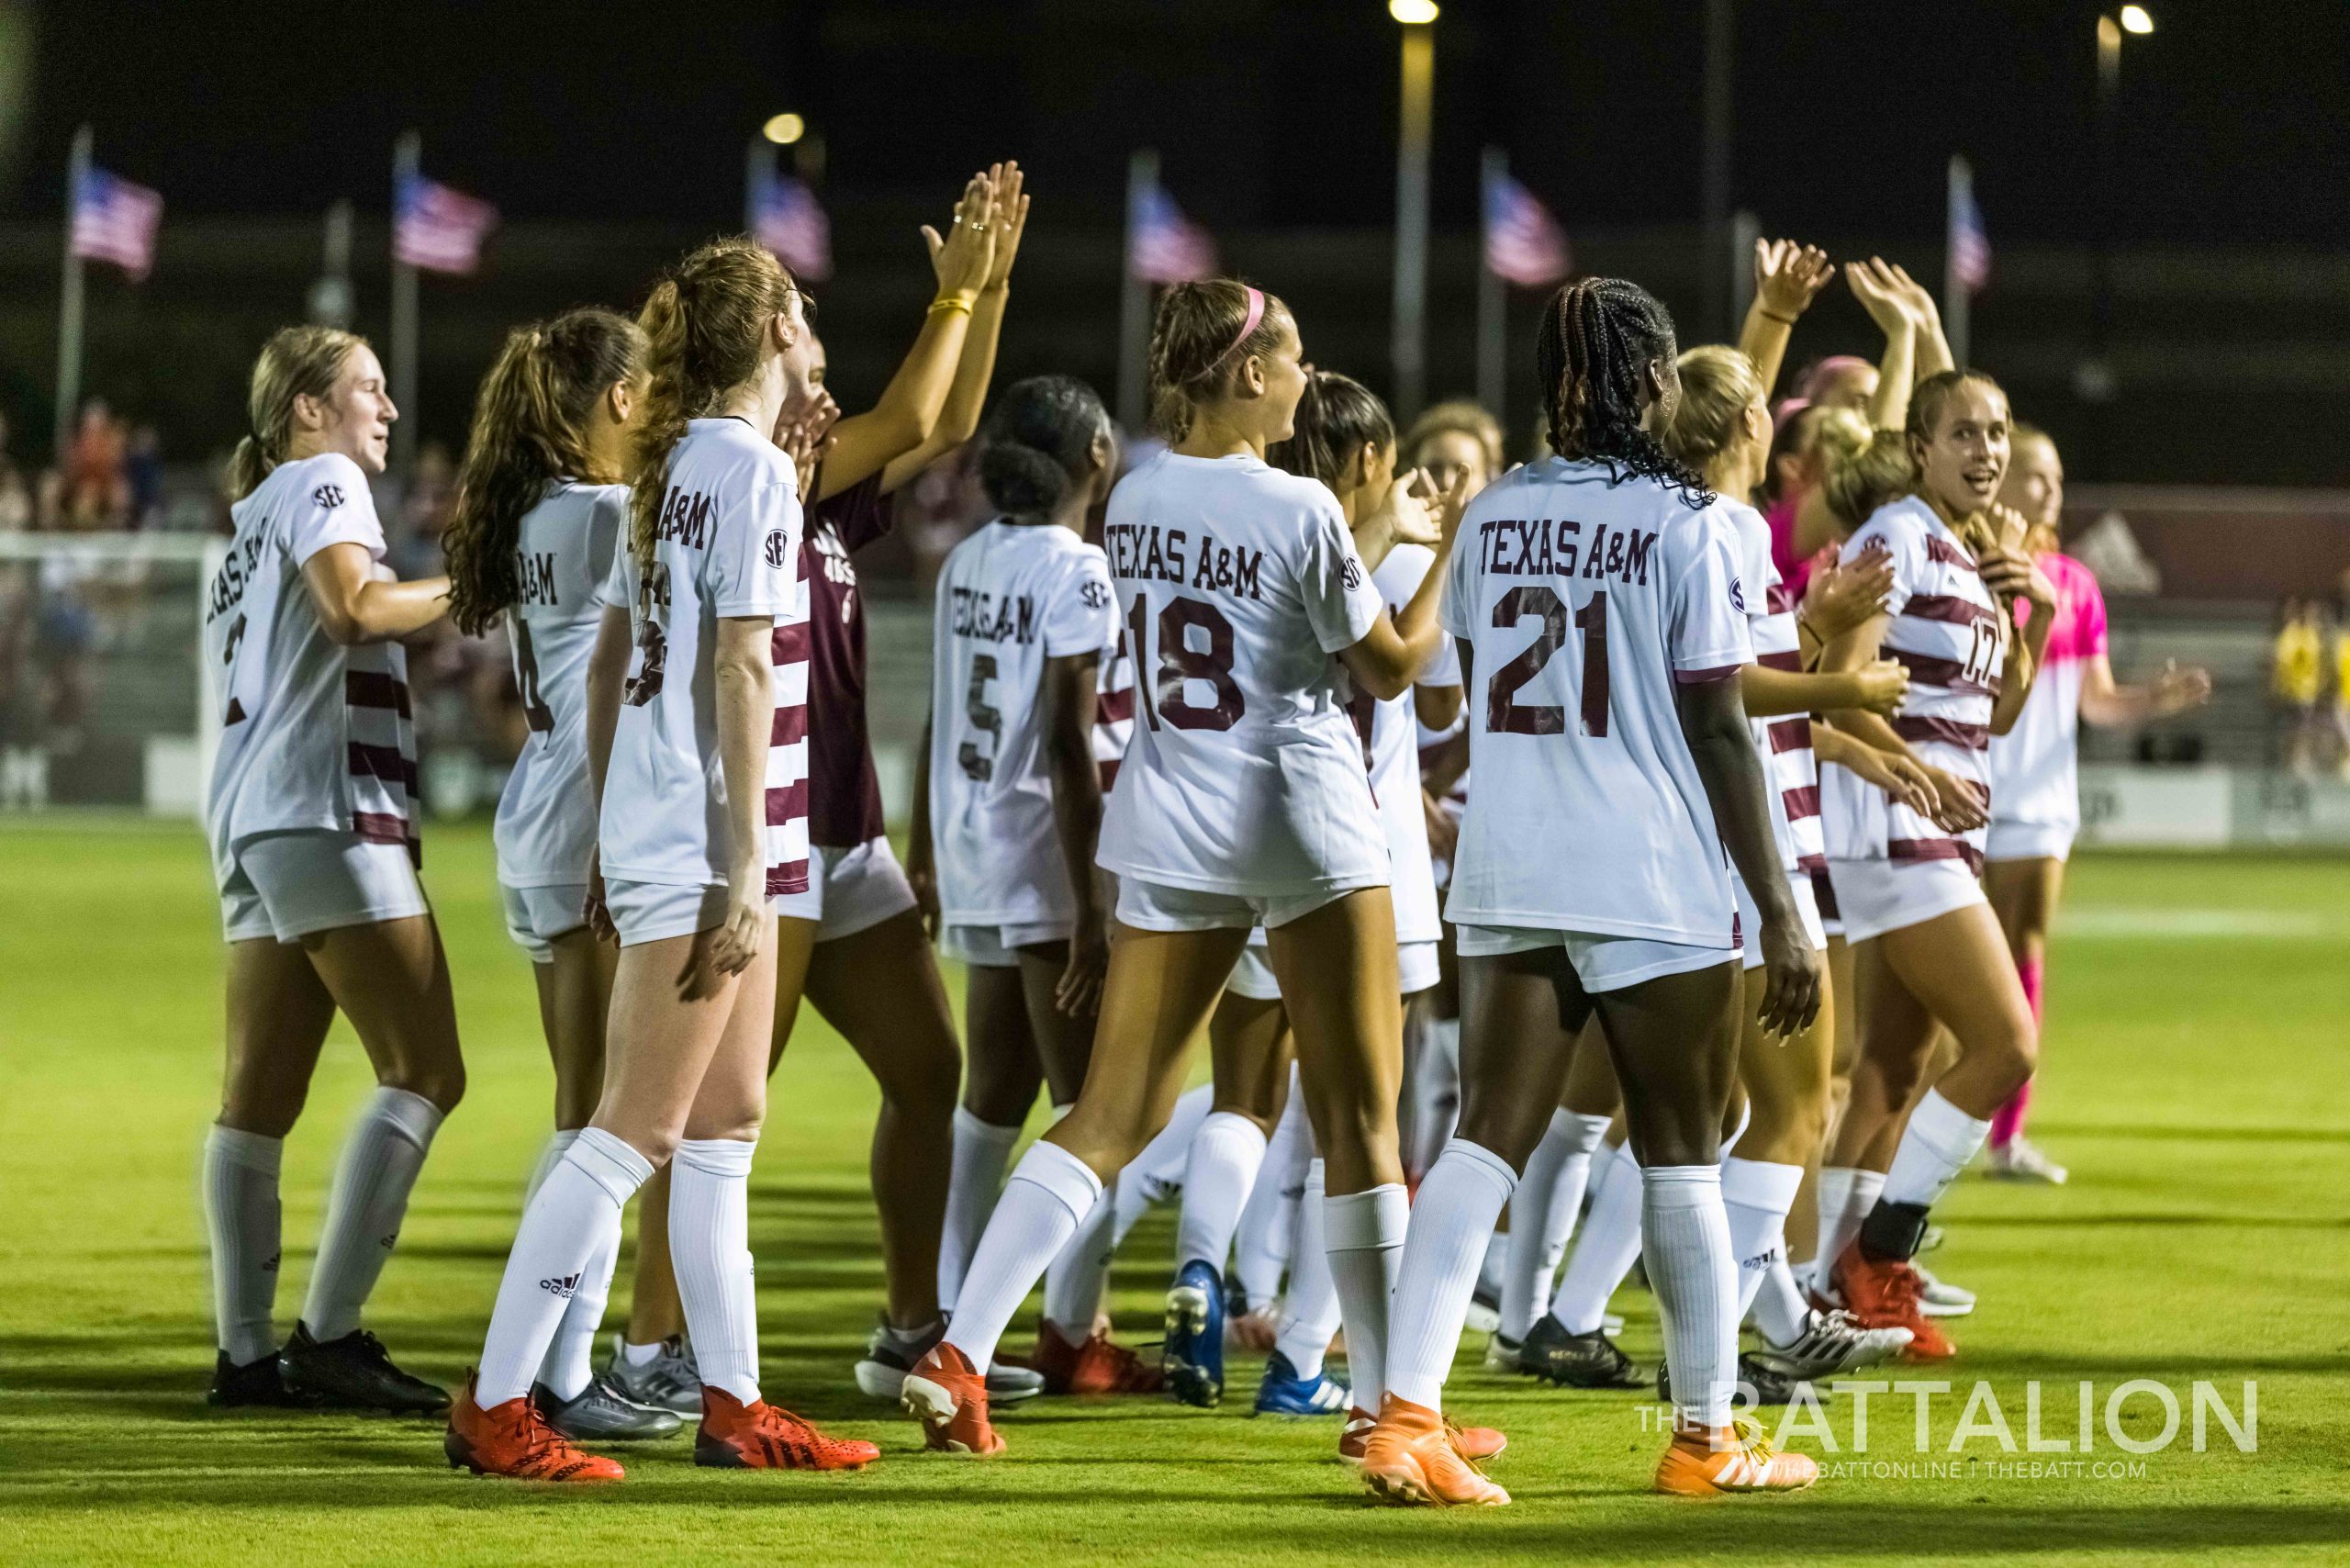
(952, 302)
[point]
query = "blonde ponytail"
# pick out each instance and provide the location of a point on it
(296, 361)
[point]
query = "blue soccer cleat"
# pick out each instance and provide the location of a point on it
(1284, 1393)
(1193, 1357)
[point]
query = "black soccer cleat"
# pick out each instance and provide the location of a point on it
(355, 1373)
(1769, 1385)
(1575, 1360)
(256, 1384)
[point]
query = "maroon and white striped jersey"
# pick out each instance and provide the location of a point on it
(1949, 633)
(1785, 741)
(727, 547)
(313, 734)
(1584, 600)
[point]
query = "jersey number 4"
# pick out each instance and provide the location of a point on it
(1162, 682)
(1535, 601)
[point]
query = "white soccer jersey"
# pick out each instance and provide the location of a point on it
(1390, 735)
(1009, 598)
(1113, 711)
(546, 817)
(727, 548)
(1237, 583)
(313, 734)
(1949, 632)
(1585, 600)
(1784, 743)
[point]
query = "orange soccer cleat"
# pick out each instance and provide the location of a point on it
(1888, 1293)
(513, 1439)
(1097, 1366)
(949, 1397)
(760, 1436)
(1410, 1457)
(1701, 1462)
(1475, 1444)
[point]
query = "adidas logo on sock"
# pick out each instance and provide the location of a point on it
(1761, 1262)
(564, 1288)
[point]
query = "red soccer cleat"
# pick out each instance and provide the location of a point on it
(1098, 1366)
(1410, 1457)
(949, 1397)
(735, 1436)
(513, 1439)
(1475, 1444)
(1887, 1294)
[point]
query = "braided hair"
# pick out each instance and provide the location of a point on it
(1597, 336)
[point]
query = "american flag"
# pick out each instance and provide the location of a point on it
(1970, 248)
(438, 229)
(115, 220)
(787, 220)
(1164, 246)
(1523, 243)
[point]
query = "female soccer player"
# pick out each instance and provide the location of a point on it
(539, 509)
(1608, 741)
(1242, 801)
(857, 895)
(2035, 785)
(1008, 812)
(698, 754)
(1721, 427)
(315, 849)
(1928, 951)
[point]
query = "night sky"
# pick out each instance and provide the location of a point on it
(2236, 115)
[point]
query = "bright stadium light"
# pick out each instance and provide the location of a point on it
(1412, 13)
(783, 129)
(2135, 19)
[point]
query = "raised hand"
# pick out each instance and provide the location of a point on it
(1845, 594)
(1008, 220)
(1874, 285)
(965, 256)
(2178, 689)
(1788, 276)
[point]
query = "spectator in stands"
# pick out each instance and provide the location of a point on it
(143, 476)
(96, 494)
(15, 496)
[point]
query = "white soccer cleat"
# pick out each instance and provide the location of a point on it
(1939, 1298)
(1832, 1343)
(2019, 1160)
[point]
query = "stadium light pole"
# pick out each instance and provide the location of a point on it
(2093, 379)
(408, 163)
(69, 304)
(1406, 345)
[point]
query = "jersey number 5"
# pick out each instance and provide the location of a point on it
(1534, 600)
(1161, 685)
(987, 720)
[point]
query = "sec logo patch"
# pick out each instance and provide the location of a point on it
(779, 547)
(1095, 595)
(327, 497)
(1354, 574)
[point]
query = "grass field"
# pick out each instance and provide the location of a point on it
(2198, 1085)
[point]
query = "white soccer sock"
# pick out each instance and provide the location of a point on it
(710, 1249)
(982, 1149)
(241, 1211)
(1074, 1283)
(1261, 1247)
(1432, 1089)
(1737, 1128)
(1781, 1315)
(1936, 1145)
(1363, 1238)
(1847, 1193)
(1050, 1194)
(380, 1161)
(572, 1223)
(1157, 1170)
(1452, 1218)
(1694, 1276)
(1226, 1154)
(1310, 1315)
(1542, 1215)
(1756, 1196)
(551, 1153)
(1611, 1241)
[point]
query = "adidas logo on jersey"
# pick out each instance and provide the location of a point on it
(562, 1288)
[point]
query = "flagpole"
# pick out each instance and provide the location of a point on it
(1745, 229)
(1492, 298)
(330, 297)
(408, 163)
(1406, 349)
(1959, 193)
(69, 300)
(1134, 296)
(758, 168)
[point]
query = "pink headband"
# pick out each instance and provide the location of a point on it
(1248, 323)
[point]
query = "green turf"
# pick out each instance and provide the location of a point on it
(2196, 1086)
